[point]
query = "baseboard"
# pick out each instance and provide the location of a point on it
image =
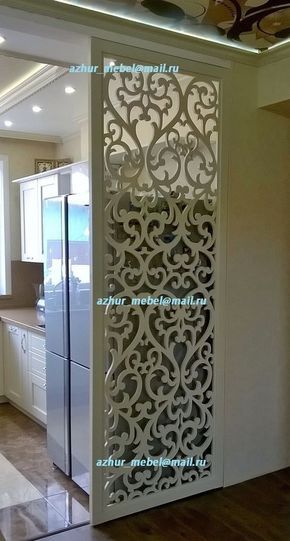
(3, 399)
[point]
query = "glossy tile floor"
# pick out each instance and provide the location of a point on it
(45, 500)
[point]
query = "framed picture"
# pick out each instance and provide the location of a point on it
(61, 163)
(42, 165)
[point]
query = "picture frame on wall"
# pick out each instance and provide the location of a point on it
(41, 165)
(62, 162)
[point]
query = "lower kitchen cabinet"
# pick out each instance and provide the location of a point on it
(37, 394)
(36, 376)
(25, 370)
(15, 363)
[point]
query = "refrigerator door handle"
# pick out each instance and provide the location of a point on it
(65, 275)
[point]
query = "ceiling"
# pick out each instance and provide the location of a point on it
(26, 36)
(61, 113)
(254, 24)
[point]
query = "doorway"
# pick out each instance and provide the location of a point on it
(44, 136)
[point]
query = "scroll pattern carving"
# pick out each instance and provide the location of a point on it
(161, 136)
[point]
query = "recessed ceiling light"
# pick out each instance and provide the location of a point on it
(8, 123)
(36, 109)
(2, 39)
(69, 89)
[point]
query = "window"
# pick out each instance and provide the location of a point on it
(5, 261)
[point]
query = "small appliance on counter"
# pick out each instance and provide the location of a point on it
(40, 303)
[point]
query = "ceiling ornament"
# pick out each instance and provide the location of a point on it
(254, 24)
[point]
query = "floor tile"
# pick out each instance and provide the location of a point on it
(50, 481)
(14, 487)
(69, 508)
(23, 443)
(81, 496)
(29, 520)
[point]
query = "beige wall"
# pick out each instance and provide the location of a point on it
(21, 155)
(257, 369)
(75, 147)
(23, 276)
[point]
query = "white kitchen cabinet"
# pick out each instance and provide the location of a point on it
(45, 187)
(25, 370)
(36, 376)
(15, 364)
(29, 221)
(37, 394)
(32, 194)
(70, 179)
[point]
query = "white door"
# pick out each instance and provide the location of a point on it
(157, 377)
(37, 390)
(46, 187)
(29, 221)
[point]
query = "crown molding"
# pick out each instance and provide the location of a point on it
(80, 119)
(33, 57)
(30, 86)
(7, 134)
(274, 54)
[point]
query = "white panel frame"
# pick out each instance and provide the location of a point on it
(99, 513)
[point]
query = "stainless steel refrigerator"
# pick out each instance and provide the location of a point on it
(67, 323)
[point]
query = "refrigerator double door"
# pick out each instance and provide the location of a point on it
(79, 324)
(79, 278)
(67, 294)
(58, 416)
(80, 426)
(68, 417)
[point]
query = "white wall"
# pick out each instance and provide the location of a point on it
(75, 146)
(257, 374)
(21, 155)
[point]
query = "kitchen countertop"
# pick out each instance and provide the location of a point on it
(24, 317)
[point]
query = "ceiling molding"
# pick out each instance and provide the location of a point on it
(34, 58)
(274, 54)
(80, 119)
(7, 134)
(30, 86)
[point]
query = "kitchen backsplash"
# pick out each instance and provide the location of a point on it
(23, 276)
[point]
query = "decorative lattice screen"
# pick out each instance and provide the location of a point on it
(161, 145)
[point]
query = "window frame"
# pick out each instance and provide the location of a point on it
(5, 247)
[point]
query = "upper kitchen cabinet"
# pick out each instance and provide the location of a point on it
(29, 219)
(32, 194)
(45, 187)
(33, 190)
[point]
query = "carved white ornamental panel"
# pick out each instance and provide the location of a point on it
(160, 193)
